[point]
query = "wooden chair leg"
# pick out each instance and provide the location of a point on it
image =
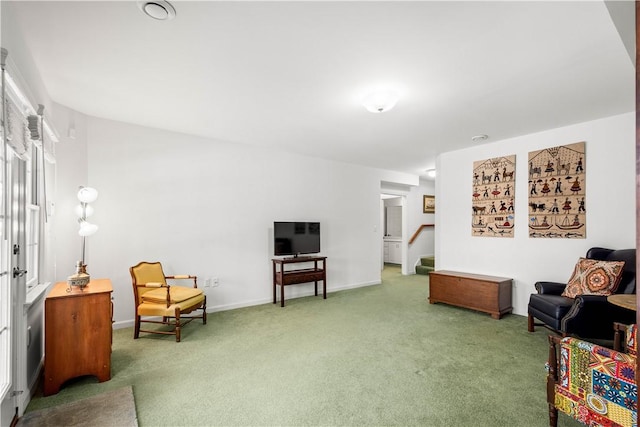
(136, 329)
(553, 416)
(618, 336)
(530, 326)
(204, 311)
(552, 378)
(177, 325)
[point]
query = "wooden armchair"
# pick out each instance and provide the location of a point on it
(155, 298)
(593, 384)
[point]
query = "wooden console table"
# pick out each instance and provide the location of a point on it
(78, 333)
(284, 277)
(488, 294)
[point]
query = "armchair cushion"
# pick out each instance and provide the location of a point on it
(594, 277)
(177, 295)
(596, 385)
(186, 306)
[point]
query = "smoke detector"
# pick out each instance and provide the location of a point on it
(160, 10)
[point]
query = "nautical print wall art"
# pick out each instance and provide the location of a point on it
(493, 195)
(557, 206)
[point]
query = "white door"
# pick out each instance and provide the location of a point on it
(12, 283)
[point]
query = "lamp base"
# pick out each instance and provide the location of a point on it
(80, 279)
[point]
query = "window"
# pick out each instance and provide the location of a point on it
(33, 217)
(32, 251)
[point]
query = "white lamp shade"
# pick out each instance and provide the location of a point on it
(87, 194)
(87, 229)
(380, 101)
(84, 211)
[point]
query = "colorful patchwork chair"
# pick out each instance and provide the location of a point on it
(593, 384)
(155, 298)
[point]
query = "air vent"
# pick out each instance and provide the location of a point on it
(159, 9)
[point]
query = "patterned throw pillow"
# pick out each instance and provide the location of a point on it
(594, 277)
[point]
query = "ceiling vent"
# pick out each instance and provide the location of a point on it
(158, 9)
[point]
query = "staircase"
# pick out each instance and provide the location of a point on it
(427, 264)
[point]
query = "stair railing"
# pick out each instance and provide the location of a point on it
(418, 231)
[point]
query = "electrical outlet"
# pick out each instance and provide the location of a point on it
(215, 282)
(207, 283)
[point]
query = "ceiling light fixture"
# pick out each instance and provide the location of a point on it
(479, 138)
(431, 173)
(160, 10)
(380, 101)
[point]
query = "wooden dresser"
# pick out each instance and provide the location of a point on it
(488, 294)
(78, 333)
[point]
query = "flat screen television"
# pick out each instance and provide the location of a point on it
(296, 238)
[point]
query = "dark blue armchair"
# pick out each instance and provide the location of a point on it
(585, 316)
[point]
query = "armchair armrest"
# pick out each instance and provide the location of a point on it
(184, 276)
(593, 316)
(550, 288)
(153, 285)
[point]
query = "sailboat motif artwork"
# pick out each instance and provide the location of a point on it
(557, 192)
(493, 209)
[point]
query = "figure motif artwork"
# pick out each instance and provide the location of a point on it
(557, 206)
(493, 209)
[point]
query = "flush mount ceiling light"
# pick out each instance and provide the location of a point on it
(157, 9)
(380, 101)
(479, 138)
(431, 173)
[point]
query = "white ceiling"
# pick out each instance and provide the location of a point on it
(291, 75)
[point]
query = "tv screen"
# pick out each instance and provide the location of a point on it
(295, 238)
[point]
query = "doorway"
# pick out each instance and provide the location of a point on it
(393, 225)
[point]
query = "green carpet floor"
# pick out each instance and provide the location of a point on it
(374, 356)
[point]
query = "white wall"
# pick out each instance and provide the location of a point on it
(20, 64)
(72, 171)
(610, 203)
(207, 208)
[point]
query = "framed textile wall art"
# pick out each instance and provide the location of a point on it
(557, 206)
(493, 195)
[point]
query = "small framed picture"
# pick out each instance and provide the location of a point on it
(429, 204)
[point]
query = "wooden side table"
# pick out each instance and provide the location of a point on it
(624, 300)
(285, 277)
(78, 333)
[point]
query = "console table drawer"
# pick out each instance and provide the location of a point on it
(488, 294)
(299, 276)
